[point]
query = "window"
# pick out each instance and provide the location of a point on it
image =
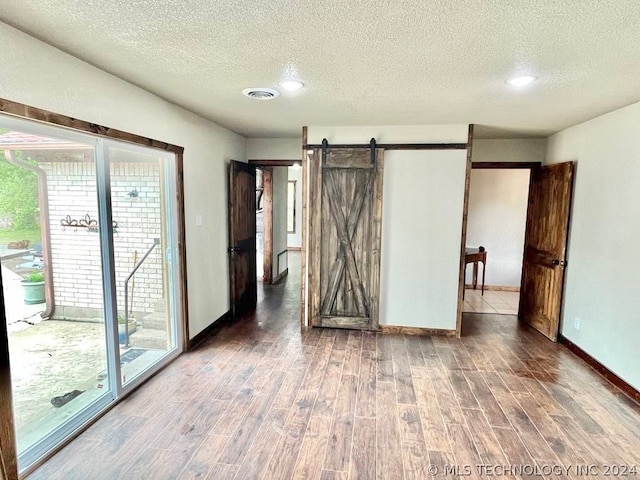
(291, 206)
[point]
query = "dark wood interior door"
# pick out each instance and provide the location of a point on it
(344, 235)
(242, 238)
(545, 247)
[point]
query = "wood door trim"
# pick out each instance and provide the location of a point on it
(273, 163)
(506, 165)
(303, 241)
(463, 235)
(376, 254)
(394, 146)
(182, 249)
(25, 111)
(8, 453)
(267, 224)
(314, 183)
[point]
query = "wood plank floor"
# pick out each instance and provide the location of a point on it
(263, 400)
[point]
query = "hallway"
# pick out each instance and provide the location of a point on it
(260, 399)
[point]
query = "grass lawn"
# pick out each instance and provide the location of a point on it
(9, 235)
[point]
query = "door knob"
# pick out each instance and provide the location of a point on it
(557, 262)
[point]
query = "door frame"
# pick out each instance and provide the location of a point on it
(267, 224)
(8, 450)
(478, 166)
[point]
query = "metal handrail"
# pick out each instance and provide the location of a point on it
(156, 242)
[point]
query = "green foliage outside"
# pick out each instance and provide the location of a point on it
(18, 195)
(35, 277)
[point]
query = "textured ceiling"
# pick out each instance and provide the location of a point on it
(383, 62)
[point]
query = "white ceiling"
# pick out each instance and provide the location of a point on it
(378, 62)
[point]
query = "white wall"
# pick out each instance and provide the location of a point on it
(421, 229)
(295, 239)
(41, 76)
(280, 179)
(389, 134)
(602, 275)
(423, 196)
(509, 150)
(274, 148)
(497, 219)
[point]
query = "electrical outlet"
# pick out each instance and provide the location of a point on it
(199, 220)
(576, 323)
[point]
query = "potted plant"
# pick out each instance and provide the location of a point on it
(133, 325)
(33, 287)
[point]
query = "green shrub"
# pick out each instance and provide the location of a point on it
(35, 277)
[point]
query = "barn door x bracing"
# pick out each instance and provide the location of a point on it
(545, 247)
(344, 237)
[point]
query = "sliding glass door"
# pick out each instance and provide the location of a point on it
(89, 257)
(142, 185)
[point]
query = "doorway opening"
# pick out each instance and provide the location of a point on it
(278, 224)
(276, 205)
(496, 224)
(544, 253)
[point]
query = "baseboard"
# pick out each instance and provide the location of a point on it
(495, 288)
(224, 320)
(279, 278)
(614, 379)
(416, 331)
(294, 249)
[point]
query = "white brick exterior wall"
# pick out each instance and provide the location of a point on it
(76, 251)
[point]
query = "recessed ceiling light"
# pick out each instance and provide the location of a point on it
(292, 85)
(261, 93)
(521, 81)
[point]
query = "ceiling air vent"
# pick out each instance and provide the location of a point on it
(261, 93)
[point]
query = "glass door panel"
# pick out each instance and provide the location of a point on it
(50, 255)
(141, 191)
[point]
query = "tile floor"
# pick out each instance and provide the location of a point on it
(504, 303)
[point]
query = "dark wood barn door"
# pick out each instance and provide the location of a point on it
(344, 235)
(242, 237)
(545, 247)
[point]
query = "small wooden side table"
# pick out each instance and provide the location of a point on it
(474, 255)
